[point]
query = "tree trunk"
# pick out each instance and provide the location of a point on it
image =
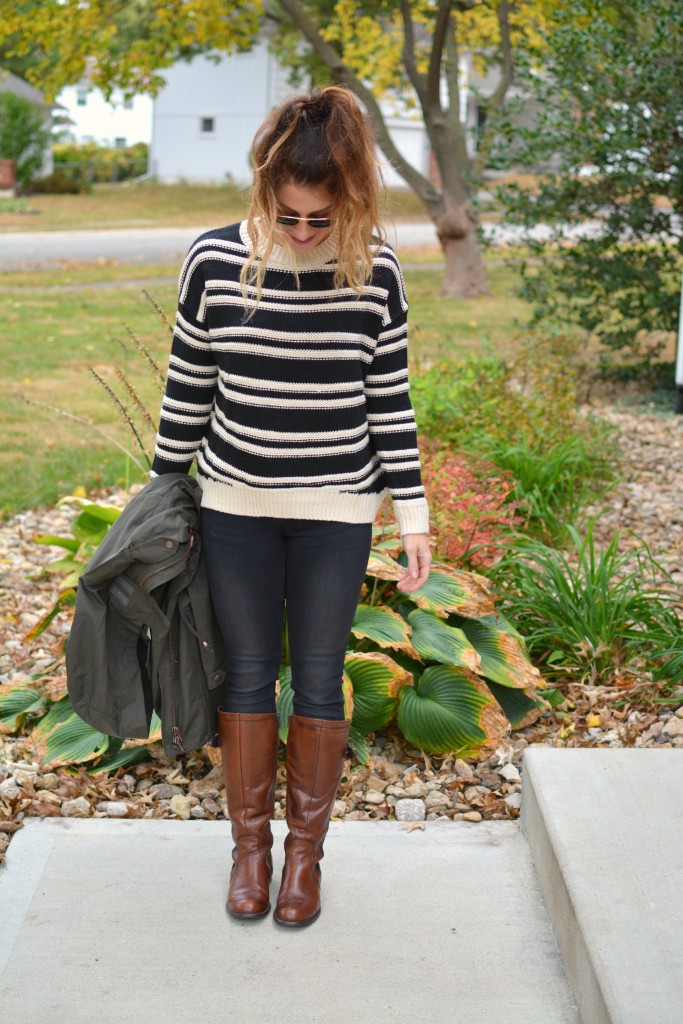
(465, 276)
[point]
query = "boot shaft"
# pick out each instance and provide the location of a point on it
(249, 748)
(316, 749)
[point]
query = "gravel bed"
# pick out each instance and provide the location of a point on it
(400, 783)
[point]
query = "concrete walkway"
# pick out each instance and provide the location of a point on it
(123, 921)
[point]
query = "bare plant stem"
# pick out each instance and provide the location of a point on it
(85, 423)
(159, 378)
(135, 398)
(123, 411)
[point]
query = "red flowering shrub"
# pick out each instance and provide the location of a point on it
(469, 502)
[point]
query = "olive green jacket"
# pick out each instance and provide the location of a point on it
(144, 635)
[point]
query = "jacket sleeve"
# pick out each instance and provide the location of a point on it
(192, 375)
(391, 419)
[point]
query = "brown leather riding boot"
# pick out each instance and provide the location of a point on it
(315, 761)
(249, 745)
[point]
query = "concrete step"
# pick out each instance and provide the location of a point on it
(605, 829)
(119, 921)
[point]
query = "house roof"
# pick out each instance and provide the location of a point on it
(10, 82)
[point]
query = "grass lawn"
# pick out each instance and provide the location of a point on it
(52, 335)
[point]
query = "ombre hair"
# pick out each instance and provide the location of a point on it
(319, 140)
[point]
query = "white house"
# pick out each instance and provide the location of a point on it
(92, 118)
(205, 118)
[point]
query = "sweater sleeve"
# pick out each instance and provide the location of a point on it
(192, 376)
(391, 419)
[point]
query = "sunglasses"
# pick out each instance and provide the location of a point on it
(316, 223)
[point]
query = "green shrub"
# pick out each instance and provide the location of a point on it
(524, 417)
(57, 183)
(91, 162)
(24, 135)
(595, 616)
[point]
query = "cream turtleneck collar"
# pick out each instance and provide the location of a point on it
(283, 258)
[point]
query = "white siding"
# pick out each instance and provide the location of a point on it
(236, 93)
(104, 122)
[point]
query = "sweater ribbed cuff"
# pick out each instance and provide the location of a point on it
(412, 516)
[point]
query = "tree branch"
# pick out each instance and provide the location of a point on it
(436, 56)
(417, 79)
(497, 97)
(345, 76)
(457, 119)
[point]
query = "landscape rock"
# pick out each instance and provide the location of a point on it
(510, 773)
(180, 805)
(76, 808)
(113, 808)
(409, 810)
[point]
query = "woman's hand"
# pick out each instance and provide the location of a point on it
(416, 546)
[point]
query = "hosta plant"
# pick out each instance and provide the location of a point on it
(452, 672)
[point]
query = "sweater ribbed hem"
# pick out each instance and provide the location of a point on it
(290, 502)
(308, 503)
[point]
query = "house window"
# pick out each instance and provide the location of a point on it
(120, 142)
(81, 97)
(207, 125)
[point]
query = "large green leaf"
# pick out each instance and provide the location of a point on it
(70, 543)
(383, 566)
(384, 626)
(93, 522)
(285, 701)
(61, 711)
(435, 640)
(67, 599)
(70, 742)
(359, 745)
(124, 757)
(454, 590)
(447, 712)
(61, 737)
(376, 680)
(16, 704)
(521, 707)
(503, 659)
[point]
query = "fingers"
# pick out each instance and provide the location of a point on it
(416, 547)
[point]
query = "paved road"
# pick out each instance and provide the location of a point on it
(136, 245)
(168, 245)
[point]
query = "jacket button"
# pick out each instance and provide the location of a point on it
(168, 544)
(205, 643)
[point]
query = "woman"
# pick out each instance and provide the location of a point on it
(288, 382)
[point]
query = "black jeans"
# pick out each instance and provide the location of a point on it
(256, 564)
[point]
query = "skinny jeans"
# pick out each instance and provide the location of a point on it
(257, 566)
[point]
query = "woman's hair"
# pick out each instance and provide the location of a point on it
(321, 140)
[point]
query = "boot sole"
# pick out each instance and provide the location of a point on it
(297, 924)
(248, 917)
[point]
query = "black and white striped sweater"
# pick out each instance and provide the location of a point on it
(302, 411)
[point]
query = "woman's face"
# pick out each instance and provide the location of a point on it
(304, 201)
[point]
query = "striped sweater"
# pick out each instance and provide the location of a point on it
(302, 410)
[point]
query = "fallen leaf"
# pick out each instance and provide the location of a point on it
(410, 826)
